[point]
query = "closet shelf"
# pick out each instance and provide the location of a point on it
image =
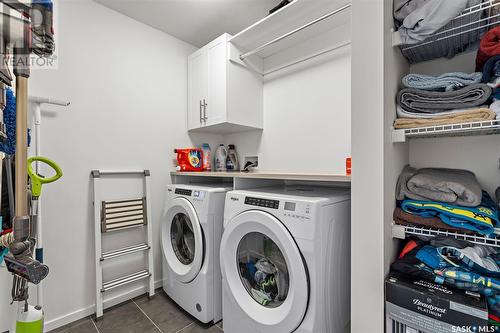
(296, 24)
(402, 232)
(459, 35)
(466, 129)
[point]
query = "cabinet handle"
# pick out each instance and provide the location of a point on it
(205, 117)
(201, 112)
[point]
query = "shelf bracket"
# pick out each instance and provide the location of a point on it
(398, 231)
(398, 135)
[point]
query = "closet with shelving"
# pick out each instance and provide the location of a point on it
(381, 153)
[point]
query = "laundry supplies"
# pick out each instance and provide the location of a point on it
(232, 160)
(207, 157)
(220, 158)
(454, 186)
(444, 82)
(189, 159)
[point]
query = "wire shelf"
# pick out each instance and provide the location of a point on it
(401, 232)
(488, 127)
(461, 34)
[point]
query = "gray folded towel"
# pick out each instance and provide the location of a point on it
(434, 102)
(454, 186)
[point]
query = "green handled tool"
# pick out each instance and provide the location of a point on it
(37, 180)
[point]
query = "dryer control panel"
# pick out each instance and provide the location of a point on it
(275, 204)
(182, 191)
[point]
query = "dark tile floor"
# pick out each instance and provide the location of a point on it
(142, 315)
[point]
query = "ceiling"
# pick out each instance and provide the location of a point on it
(194, 21)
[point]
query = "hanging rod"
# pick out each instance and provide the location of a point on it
(309, 57)
(274, 41)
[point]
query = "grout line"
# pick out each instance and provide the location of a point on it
(95, 326)
(147, 316)
(184, 327)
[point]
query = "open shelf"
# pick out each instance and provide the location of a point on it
(270, 175)
(474, 128)
(292, 30)
(401, 232)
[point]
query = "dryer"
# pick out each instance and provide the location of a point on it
(191, 231)
(285, 260)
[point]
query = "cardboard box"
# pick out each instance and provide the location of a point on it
(419, 306)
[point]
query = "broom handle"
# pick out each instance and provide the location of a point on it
(21, 206)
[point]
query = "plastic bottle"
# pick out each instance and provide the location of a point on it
(207, 157)
(232, 162)
(220, 158)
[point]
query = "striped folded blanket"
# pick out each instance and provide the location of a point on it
(445, 82)
(482, 219)
(464, 116)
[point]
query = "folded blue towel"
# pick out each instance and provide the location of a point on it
(445, 82)
(482, 219)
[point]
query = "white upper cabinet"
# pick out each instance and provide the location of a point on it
(223, 97)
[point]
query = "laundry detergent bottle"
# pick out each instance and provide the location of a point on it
(220, 158)
(232, 162)
(207, 157)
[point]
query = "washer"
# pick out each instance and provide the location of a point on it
(190, 238)
(285, 260)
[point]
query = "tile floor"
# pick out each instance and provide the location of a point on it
(142, 315)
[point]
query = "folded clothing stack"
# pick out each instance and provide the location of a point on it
(488, 61)
(451, 98)
(457, 264)
(417, 20)
(452, 196)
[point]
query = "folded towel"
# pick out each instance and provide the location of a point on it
(402, 113)
(456, 118)
(454, 186)
(482, 219)
(488, 47)
(445, 82)
(402, 218)
(415, 100)
(491, 69)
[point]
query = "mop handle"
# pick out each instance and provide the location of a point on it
(36, 179)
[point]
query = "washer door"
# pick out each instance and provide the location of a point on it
(182, 240)
(264, 271)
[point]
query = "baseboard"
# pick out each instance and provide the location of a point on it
(89, 310)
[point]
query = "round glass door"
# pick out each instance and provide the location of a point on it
(182, 240)
(182, 237)
(263, 270)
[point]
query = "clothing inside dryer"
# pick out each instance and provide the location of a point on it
(182, 236)
(263, 269)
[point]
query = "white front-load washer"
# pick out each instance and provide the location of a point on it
(191, 231)
(285, 260)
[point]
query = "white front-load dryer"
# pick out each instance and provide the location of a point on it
(191, 231)
(285, 260)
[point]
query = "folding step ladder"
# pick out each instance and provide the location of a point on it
(116, 215)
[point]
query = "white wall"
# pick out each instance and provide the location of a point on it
(127, 84)
(307, 118)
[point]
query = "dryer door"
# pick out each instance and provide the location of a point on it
(182, 240)
(264, 271)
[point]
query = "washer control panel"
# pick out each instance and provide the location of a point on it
(297, 210)
(274, 204)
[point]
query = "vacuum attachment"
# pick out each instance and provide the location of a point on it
(30, 269)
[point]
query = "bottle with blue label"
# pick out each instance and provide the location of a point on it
(232, 162)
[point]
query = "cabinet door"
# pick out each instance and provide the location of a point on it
(215, 111)
(197, 87)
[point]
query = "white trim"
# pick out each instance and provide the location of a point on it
(90, 309)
